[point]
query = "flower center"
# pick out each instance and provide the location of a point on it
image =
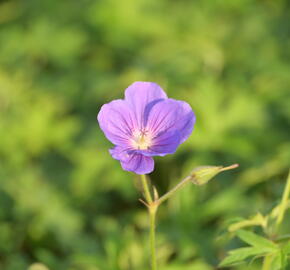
(141, 140)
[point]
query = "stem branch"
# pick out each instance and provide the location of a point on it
(284, 203)
(152, 207)
(170, 192)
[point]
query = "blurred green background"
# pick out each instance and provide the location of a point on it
(64, 201)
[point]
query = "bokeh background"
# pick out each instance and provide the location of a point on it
(64, 201)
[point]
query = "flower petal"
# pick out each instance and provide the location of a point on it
(163, 144)
(171, 115)
(140, 94)
(117, 121)
(139, 164)
(133, 161)
(120, 153)
(186, 120)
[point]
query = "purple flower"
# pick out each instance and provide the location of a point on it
(145, 124)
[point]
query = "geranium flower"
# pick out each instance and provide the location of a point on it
(145, 124)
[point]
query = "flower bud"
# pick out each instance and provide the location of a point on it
(201, 175)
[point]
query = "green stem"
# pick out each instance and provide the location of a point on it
(267, 263)
(170, 193)
(152, 213)
(284, 203)
(147, 194)
(152, 207)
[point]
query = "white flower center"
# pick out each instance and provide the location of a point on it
(141, 140)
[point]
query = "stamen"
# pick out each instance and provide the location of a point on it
(141, 140)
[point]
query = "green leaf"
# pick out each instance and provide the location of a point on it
(279, 261)
(257, 220)
(284, 259)
(286, 248)
(256, 240)
(283, 238)
(240, 254)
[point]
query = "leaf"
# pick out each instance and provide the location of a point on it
(256, 240)
(240, 254)
(286, 248)
(279, 261)
(257, 220)
(283, 238)
(284, 259)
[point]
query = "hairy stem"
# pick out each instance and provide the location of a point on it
(284, 203)
(152, 213)
(152, 207)
(170, 192)
(146, 191)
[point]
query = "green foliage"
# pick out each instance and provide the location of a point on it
(256, 241)
(240, 254)
(64, 202)
(276, 255)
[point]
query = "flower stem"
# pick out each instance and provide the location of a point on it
(284, 203)
(152, 213)
(170, 192)
(152, 207)
(147, 194)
